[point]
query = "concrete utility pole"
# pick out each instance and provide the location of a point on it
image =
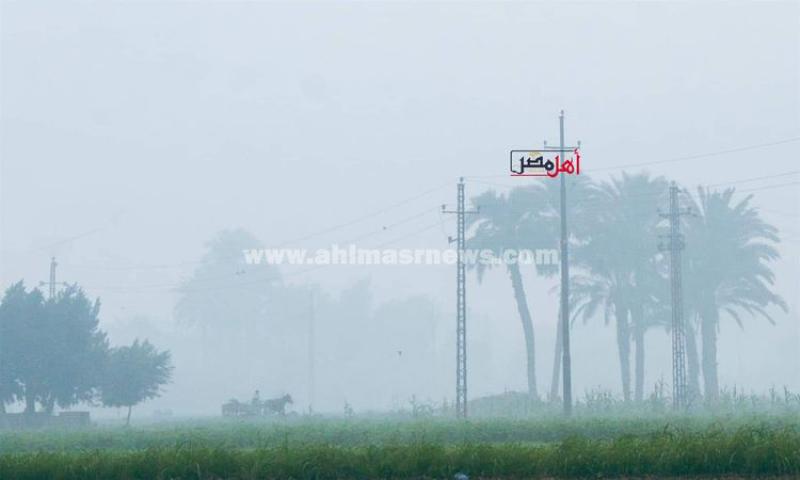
(674, 246)
(51, 284)
(52, 293)
(566, 358)
(461, 302)
(311, 353)
(563, 333)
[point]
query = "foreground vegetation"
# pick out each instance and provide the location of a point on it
(312, 449)
(361, 432)
(748, 451)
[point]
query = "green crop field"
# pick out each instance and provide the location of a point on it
(314, 448)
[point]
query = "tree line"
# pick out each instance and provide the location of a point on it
(619, 275)
(53, 353)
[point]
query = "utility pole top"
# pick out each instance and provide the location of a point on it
(52, 290)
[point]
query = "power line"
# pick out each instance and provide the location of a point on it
(364, 217)
(171, 287)
(778, 185)
(777, 212)
(655, 194)
(753, 179)
(577, 201)
(352, 240)
(669, 160)
(285, 242)
(699, 155)
(708, 185)
(438, 223)
(410, 199)
(427, 227)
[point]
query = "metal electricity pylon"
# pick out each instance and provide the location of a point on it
(674, 245)
(461, 301)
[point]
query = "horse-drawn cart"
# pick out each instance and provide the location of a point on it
(256, 407)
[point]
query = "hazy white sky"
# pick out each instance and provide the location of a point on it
(133, 131)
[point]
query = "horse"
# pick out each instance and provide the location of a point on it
(277, 405)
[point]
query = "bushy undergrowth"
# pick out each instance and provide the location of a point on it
(716, 451)
(731, 401)
(356, 432)
(365, 447)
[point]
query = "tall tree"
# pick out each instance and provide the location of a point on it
(228, 300)
(622, 268)
(133, 374)
(729, 248)
(78, 348)
(239, 288)
(692, 358)
(543, 222)
(528, 218)
(53, 349)
(496, 228)
(17, 309)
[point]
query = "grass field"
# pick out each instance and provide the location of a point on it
(314, 448)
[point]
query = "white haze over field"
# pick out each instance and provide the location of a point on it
(133, 132)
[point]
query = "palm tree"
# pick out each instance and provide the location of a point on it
(692, 357)
(650, 308)
(528, 218)
(728, 251)
(496, 228)
(231, 303)
(621, 267)
(220, 294)
(545, 225)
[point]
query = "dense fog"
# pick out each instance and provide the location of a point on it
(145, 146)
